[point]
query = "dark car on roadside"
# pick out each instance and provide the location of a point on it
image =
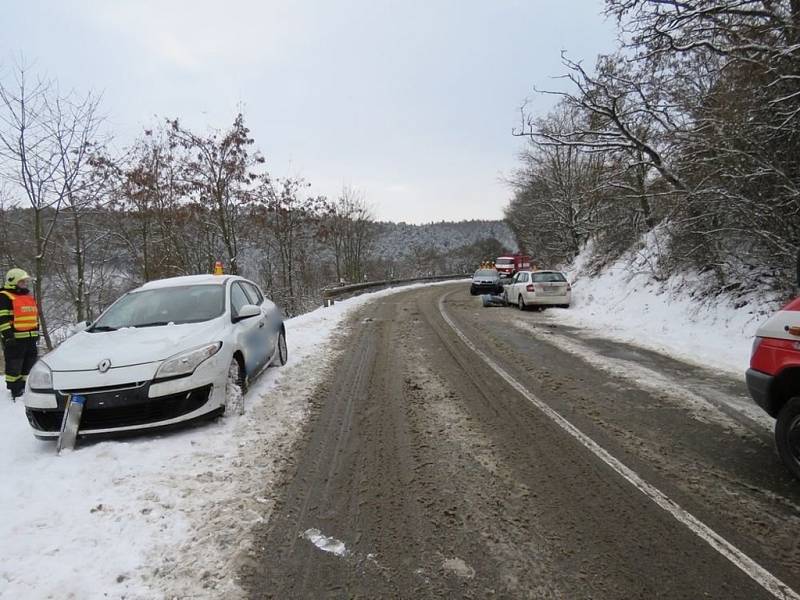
(486, 281)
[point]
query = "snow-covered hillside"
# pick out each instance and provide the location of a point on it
(625, 302)
(399, 239)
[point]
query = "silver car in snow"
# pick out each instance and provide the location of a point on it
(166, 353)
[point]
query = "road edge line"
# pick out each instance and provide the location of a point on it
(746, 564)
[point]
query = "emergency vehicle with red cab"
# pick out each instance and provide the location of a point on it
(507, 266)
(773, 379)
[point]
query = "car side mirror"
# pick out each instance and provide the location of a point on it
(246, 312)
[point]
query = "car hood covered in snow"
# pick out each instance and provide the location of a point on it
(130, 346)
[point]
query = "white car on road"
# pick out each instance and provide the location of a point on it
(538, 289)
(168, 352)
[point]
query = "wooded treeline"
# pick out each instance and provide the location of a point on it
(89, 220)
(690, 132)
(89, 223)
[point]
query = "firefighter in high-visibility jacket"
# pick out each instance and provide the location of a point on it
(19, 329)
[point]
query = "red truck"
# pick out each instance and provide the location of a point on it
(508, 265)
(773, 379)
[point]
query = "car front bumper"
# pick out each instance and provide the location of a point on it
(122, 410)
(759, 384)
(132, 407)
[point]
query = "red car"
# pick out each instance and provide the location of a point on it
(773, 379)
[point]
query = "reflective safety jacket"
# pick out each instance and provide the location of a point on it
(19, 316)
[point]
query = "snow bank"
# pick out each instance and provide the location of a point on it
(625, 302)
(158, 516)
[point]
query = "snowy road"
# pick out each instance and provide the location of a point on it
(389, 459)
(427, 469)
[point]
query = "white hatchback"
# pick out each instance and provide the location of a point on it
(166, 353)
(538, 289)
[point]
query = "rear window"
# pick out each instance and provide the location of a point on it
(549, 277)
(486, 273)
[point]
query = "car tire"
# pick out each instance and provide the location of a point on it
(521, 303)
(235, 387)
(281, 351)
(787, 435)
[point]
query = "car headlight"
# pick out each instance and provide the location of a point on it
(41, 377)
(186, 362)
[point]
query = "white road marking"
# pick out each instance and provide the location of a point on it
(750, 567)
(325, 543)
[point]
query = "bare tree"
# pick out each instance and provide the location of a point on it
(220, 169)
(559, 190)
(41, 134)
(349, 230)
(292, 220)
(626, 111)
(86, 171)
(696, 117)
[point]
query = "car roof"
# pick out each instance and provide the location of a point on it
(187, 280)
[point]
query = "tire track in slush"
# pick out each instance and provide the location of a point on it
(746, 564)
(338, 432)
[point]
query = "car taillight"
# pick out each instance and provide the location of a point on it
(529, 287)
(569, 288)
(756, 343)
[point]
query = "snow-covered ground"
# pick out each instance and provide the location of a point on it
(625, 303)
(161, 516)
(166, 516)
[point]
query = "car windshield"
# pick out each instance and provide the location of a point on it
(486, 273)
(504, 261)
(162, 306)
(548, 277)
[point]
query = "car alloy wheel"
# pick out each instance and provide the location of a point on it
(235, 388)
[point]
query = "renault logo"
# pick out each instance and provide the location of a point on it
(104, 365)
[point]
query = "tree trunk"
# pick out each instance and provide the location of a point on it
(644, 201)
(37, 286)
(80, 267)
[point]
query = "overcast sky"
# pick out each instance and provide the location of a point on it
(411, 102)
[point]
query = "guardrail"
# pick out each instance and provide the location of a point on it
(329, 295)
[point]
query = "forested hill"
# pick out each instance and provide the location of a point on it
(398, 250)
(394, 240)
